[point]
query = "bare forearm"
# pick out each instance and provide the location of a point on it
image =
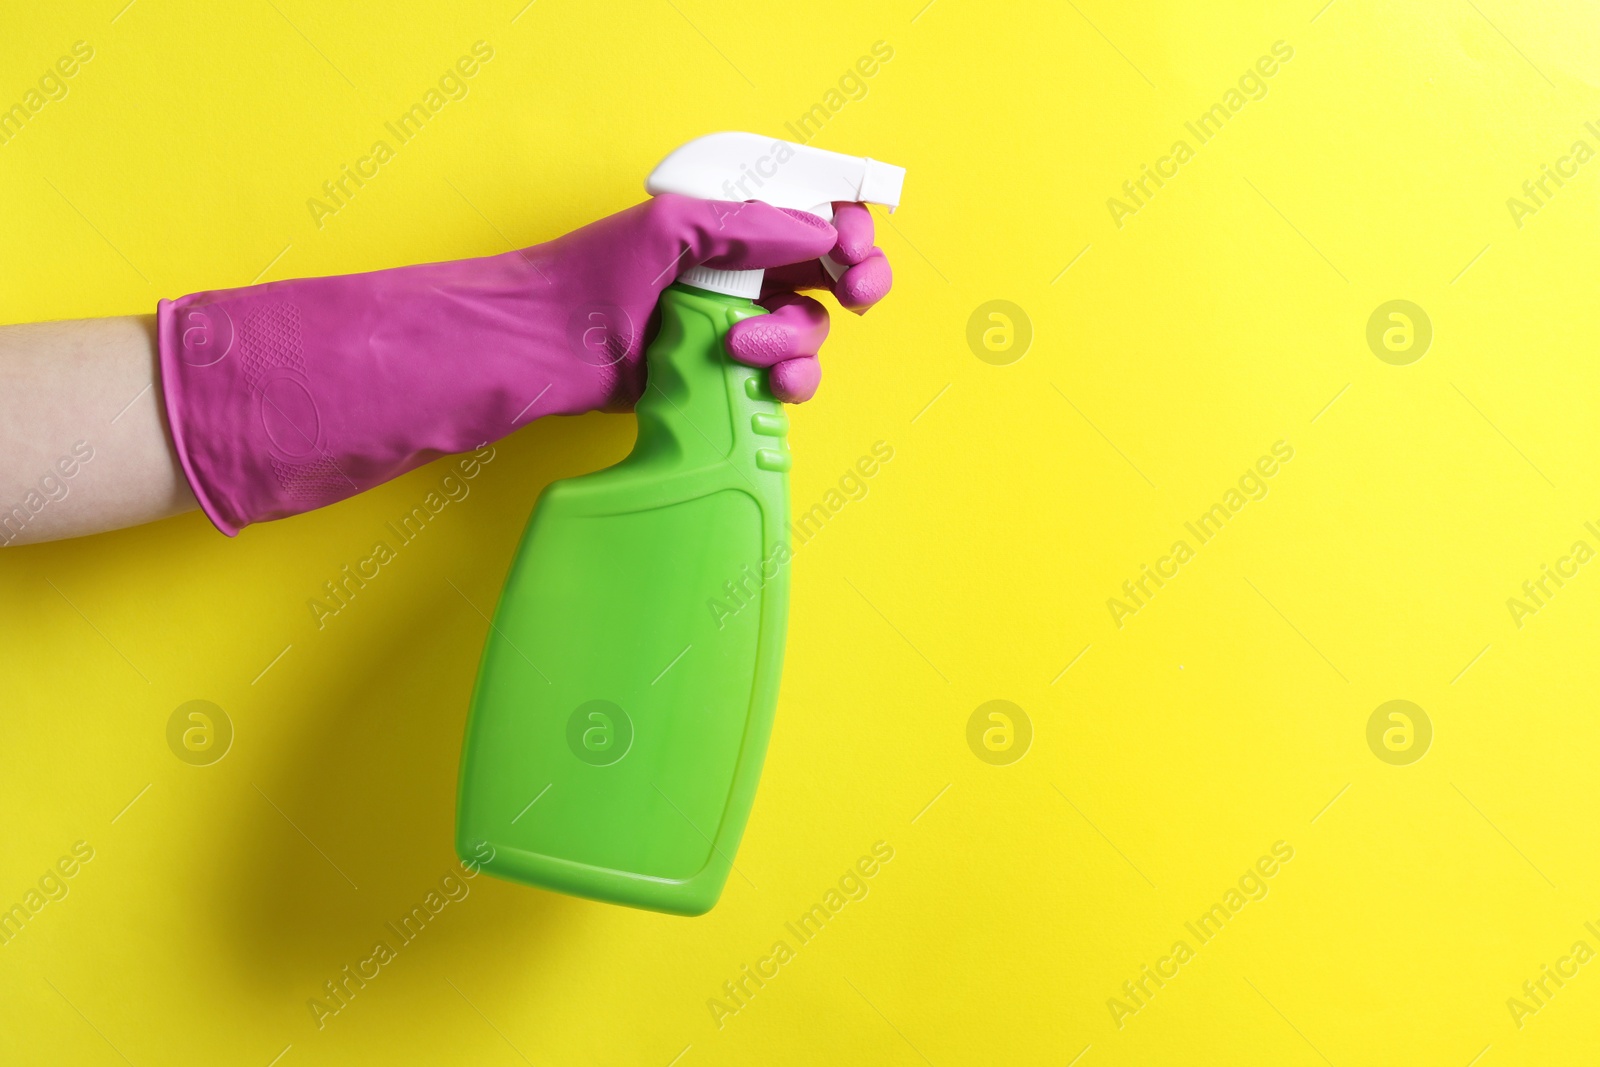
(83, 439)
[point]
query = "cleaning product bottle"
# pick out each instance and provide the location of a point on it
(627, 686)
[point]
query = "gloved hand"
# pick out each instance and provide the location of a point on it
(292, 395)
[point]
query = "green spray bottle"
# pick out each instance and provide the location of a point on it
(619, 724)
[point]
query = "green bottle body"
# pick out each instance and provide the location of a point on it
(627, 687)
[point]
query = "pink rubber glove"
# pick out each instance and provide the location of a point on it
(292, 395)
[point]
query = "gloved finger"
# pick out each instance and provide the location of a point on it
(794, 381)
(728, 235)
(853, 223)
(864, 284)
(858, 288)
(795, 277)
(795, 326)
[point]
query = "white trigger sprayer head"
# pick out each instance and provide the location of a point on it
(748, 166)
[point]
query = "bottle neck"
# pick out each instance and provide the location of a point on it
(745, 283)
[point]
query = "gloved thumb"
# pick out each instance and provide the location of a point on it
(730, 235)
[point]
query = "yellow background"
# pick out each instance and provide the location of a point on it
(1223, 717)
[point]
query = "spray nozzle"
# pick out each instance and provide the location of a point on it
(748, 166)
